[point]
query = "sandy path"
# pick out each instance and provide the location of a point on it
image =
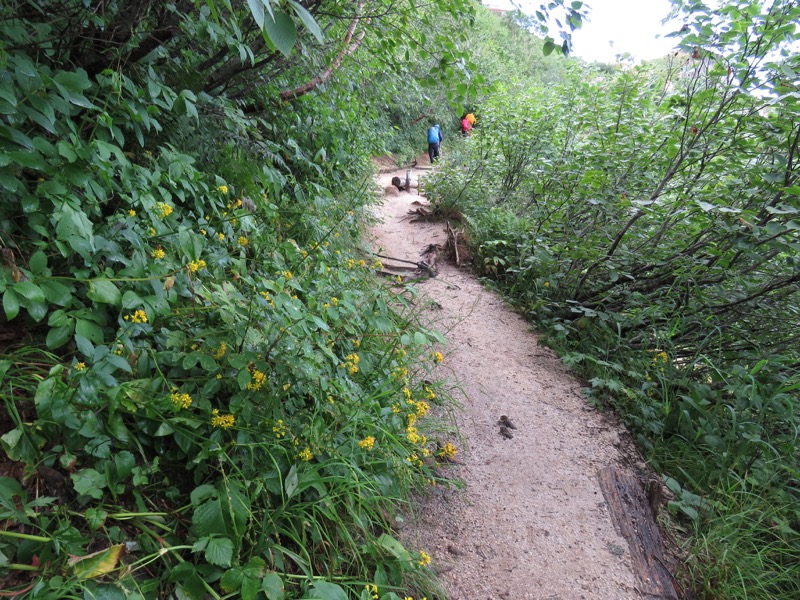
(531, 521)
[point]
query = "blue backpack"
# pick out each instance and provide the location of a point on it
(433, 135)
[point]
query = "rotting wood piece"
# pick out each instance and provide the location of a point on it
(633, 520)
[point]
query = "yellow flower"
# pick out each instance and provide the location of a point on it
(180, 400)
(242, 241)
(306, 455)
(412, 435)
(286, 387)
(221, 236)
(437, 356)
(222, 421)
(377, 264)
(196, 265)
(546, 284)
(131, 213)
(137, 317)
(424, 559)
(407, 393)
(238, 202)
(350, 263)
(151, 231)
(367, 443)
(448, 451)
(287, 275)
(258, 380)
(279, 429)
(80, 366)
(220, 352)
(361, 263)
(164, 210)
(158, 253)
(422, 408)
(334, 301)
(203, 232)
(223, 189)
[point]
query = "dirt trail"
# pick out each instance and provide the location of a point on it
(531, 521)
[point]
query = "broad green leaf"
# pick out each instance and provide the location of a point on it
(324, 590)
(10, 304)
(272, 586)
(281, 31)
(30, 291)
(89, 482)
(104, 291)
(308, 20)
(217, 550)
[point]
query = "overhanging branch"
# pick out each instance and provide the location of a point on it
(350, 46)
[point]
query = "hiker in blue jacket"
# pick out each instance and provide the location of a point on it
(434, 140)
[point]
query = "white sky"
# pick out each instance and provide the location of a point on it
(632, 26)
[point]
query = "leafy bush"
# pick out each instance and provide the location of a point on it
(206, 393)
(647, 220)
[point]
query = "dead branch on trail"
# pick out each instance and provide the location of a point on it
(422, 266)
(452, 238)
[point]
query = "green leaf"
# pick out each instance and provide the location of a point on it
(38, 262)
(257, 10)
(281, 31)
(549, 46)
(89, 330)
(308, 20)
(58, 336)
(95, 517)
(105, 292)
(30, 291)
(272, 586)
(89, 482)
(290, 484)
(11, 304)
(217, 550)
(324, 590)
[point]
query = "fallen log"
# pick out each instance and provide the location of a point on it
(633, 519)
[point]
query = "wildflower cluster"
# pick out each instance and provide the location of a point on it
(242, 241)
(223, 189)
(79, 366)
(279, 429)
(257, 379)
(220, 352)
(424, 559)
(222, 421)
(660, 360)
(448, 451)
(180, 400)
(196, 265)
(368, 443)
(306, 455)
(158, 253)
(137, 317)
(268, 298)
(164, 210)
(372, 590)
(437, 357)
(351, 364)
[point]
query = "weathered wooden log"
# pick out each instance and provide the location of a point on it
(633, 519)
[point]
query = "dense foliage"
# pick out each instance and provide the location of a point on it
(205, 391)
(647, 218)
